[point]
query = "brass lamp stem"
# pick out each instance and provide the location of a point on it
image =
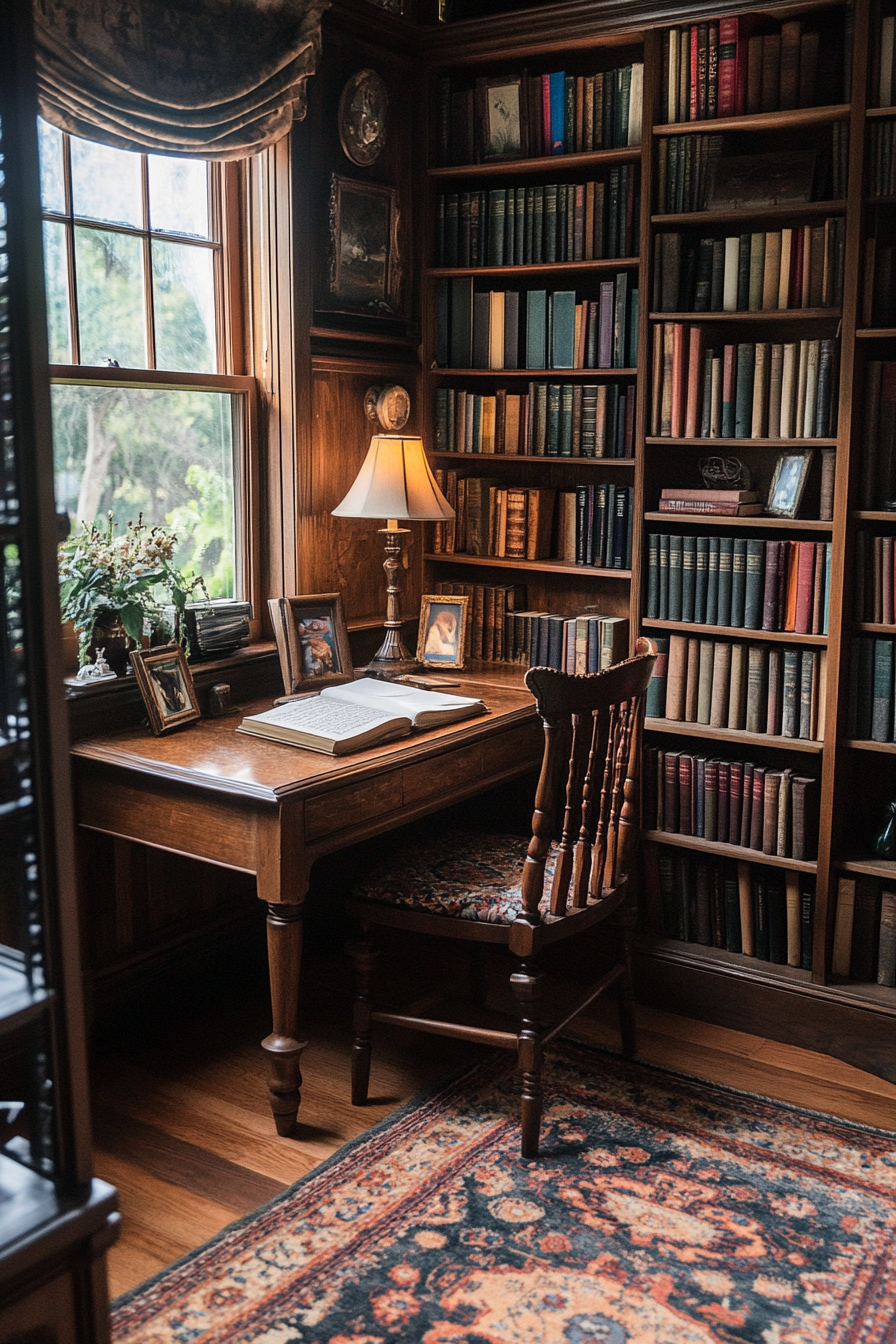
(392, 657)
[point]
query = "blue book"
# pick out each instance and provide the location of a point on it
(563, 329)
(536, 328)
(558, 111)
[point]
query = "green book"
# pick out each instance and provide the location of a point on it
(688, 577)
(538, 226)
(700, 576)
(536, 328)
(723, 612)
(790, 704)
(754, 585)
(460, 354)
(675, 559)
(566, 401)
(743, 392)
(563, 329)
(738, 581)
(550, 223)
(808, 691)
(552, 448)
(620, 314)
(757, 695)
(519, 233)
(663, 554)
(882, 701)
(712, 582)
(497, 212)
(529, 226)
(757, 270)
(652, 607)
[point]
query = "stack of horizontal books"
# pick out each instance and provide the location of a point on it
(725, 503)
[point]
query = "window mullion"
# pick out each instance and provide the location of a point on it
(148, 303)
(73, 325)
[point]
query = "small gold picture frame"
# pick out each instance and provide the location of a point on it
(312, 641)
(788, 484)
(443, 621)
(166, 685)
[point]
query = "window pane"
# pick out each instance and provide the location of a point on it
(52, 180)
(178, 195)
(56, 272)
(184, 307)
(106, 184)
(110, 298)
(167, 454)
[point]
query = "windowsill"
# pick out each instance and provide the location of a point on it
(204, 671)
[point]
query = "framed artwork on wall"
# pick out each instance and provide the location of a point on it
(365, 266)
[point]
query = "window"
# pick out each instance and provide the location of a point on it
(147, 418)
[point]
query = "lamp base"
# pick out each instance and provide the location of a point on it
(391, 669)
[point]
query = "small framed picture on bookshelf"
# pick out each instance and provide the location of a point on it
(440, 642)
(502, 120)
(788, 484)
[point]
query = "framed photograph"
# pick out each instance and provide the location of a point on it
(365, 268)
(166, 686)
(502, 121)
(788, 484)
(312, 641)
(440, 642)
(749, 181)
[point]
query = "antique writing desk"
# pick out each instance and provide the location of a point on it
(270, 809)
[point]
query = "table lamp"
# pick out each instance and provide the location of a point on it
(395, 482)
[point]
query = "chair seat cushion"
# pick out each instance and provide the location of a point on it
(460, 874)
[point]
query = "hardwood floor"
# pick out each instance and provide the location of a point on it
(182, 1126)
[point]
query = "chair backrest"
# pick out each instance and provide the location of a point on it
(587, 796)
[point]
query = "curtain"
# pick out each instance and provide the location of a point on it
(215, 79)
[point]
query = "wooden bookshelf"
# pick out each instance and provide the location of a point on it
(530, 375)
(552, 164)
(754, 520)
(763, 214)
(736, 736)
(544, 268)
(790, 120)
(789, 445)
(749, 315)
(724, 851)
(539, 566)
(523, 459)
(734, 631)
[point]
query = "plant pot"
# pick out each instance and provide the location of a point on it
(109, 634)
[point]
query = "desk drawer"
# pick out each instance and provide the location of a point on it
(337, 811)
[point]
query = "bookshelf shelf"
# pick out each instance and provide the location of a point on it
(880, 200)
(544, 163)
(874, 515)
(873, 113)
(758, 215)
(737, 963)
(545, 268)
(779, 636)
(882, 996)
(794, 445)
(876, 334)
(763, 315)
(702, 846)
(519, 459)
(873, 867)
(754, 520)
(864, 744)
(792, 119)
(874, 628)
(554, 375)
(535, 566)
(735, 735)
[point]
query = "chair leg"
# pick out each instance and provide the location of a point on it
(526, 983)
(364, 955)
(624, 995)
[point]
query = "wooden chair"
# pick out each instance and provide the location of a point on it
(571, 875)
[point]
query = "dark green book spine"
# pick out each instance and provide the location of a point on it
(550, 223)
(569, 129)
(497, 212)
(663, 555)
(723, 611)
(760, 914)
(743, 272)
(675, 559)
(807, 923)
(529, 227)
(553, 438)
(743, 394)
(441, 318)
(732, 909)
(566, 398)
(865, 696)
(789, 697)
(700, 578)
(738, 581)
(754, 584)
(717, 285)
(538, 227)
(634, 308)
(703, 287)
(519, 237)
(613, 215)
(509, 226)
(882, 706)
(712, 582)
(808, 690)
(655, 700)
(777, 918)
(688, 577)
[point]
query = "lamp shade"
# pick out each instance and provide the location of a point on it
(395, 482)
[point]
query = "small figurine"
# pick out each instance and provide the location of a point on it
(98, 671)
(884, 842)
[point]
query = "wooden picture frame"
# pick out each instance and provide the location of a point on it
(312, 641)
(788, 484)
(442, 631)
(365, 265)
(166, 685)
(501, 117)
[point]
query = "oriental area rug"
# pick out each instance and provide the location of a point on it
(662, 1211)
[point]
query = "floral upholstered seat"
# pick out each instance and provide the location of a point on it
(463, 875)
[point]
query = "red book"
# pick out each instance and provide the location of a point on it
(678, 375)
(670, 792)
(723, 804)
(727, 104)
(546, 112)
(757, 816)
(695, 46)
(888, 605)
(685, 786)
(744, 29)
(728, 368)
(695, 379)
(795, 286)
(735, 801)
(770, 592)
(746, 806)
(805, 585)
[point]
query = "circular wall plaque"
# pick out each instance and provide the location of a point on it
(362, 117)
(389, 406)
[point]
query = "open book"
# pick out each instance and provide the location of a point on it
(357, 715)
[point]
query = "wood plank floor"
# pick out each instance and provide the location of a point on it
(182, 1126)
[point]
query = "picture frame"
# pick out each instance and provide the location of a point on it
(788, 484)
(501, 118)
(166, 685)
(312, 641)
(362, 117)
(365, 265)
(750, 181)
(442, 631)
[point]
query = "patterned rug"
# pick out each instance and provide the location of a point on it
(662, 1211)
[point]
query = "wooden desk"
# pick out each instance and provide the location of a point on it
(270, 810)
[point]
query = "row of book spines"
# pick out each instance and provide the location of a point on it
(723, 69)
(531, 225)
(491, 613)
(878, 486)
(744, 583)
(536, 329)
(731, 802)
(752, 390)
(742, 907)
(780, 269)
(559, 113)
(871, 700)
(879, 287)
(594, 526)
(865, 931)
(875, 578)
(492, 520)
(686, 168)
(577, 644)
(550, 420)
(749, 688)
(882, 72)
(880, 171)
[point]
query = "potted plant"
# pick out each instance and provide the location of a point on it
(112, 585)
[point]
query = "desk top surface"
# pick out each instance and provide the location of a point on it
(211, 754)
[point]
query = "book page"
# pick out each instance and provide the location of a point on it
(388, 698)
(336, 719)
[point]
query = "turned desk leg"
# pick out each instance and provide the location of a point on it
(283, 1049)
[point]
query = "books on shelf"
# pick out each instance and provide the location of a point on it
(497, 624)
(726, 67)
(559, 113)
(536, 328)
(535, 225)
(878, 459)
(799, 267)
(875, 577)
(593, 420)
(745, 583)
(880, 166)
(882, 53)
(865, 931)
(695, 174)
(744, 907)
(360, 714)
(879, 284)
(727, 503)
(752, 390)
(577, 644)
(871, 700)
(594, 525)
(731, 802)
(754, 688)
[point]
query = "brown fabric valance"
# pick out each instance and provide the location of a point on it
(215, 79)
